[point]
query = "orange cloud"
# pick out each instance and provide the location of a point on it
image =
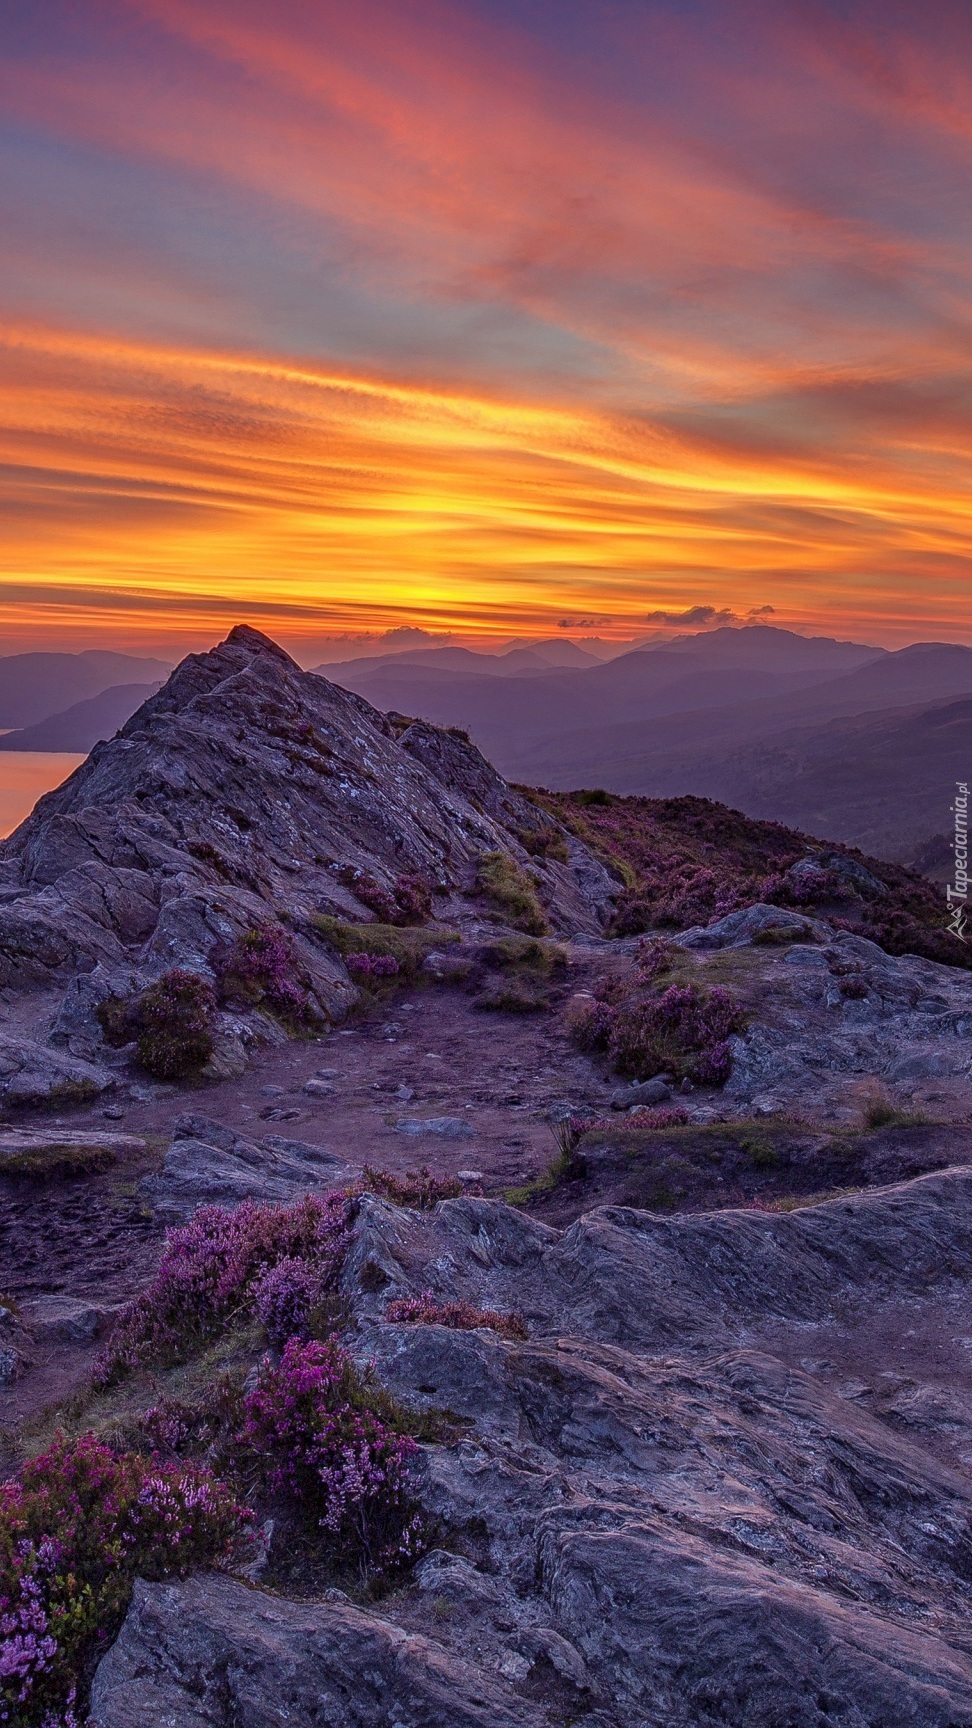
(746, 367)
(198, 482)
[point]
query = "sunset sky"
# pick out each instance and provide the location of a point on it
(497, 316)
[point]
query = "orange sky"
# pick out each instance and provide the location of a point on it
(495, 318)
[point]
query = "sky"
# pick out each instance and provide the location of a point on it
(492, 317)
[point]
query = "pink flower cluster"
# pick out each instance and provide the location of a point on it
(308, 1422)
(427, 1310)
(408, 902)
(77, 1525)
(369, 967)
(285, 1294)
(260, 967)
(215, 1265)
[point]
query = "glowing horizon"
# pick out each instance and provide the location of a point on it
(432, 316)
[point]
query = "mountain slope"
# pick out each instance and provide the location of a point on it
(247, 789)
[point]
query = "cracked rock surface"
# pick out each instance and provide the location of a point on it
(652, 1520)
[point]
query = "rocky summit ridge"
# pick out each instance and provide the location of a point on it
(686, 1397)
(247, 790)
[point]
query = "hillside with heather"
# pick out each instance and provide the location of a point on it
(471, 1256)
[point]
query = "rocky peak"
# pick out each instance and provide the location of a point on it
(248, 789)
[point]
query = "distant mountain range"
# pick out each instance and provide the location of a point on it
(34, 686)
(757, 717)
(80, 727)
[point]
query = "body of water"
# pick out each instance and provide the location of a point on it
(24, 775)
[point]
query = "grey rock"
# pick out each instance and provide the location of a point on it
(208, 1163)
(241, 785)
(319, 1088)
(12, 1364)
(35, 1074)
(211, 1653)
(444, 1127)
(642, 1092)
(18, 1145)
(673, 1528)
(65, 1319)
(739, 929)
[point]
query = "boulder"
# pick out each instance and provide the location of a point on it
(442, 1127)
(44, 1153)
(35, 1074)
(654, 1521)
(655, 1091)
(752, 924)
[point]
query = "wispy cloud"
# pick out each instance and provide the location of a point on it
(427, 314)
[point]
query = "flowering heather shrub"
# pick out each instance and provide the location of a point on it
(172, 1023)
(689, 860)
(77, 1525)
(215, 1265)
(408, 902)
(683, 1030)
(656, 957)
(370, 968)
(425, 1310)
(308, 1422)
(648, 1116)
(285, 1294)
(168, 1424)
(260, 967)
(418, 1188)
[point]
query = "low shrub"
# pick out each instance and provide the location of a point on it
(77, 1525)
(688, 860)
(544, 843)
(426, 1310)
(500, 880)
(655, 958)
(407, 948)
(259, 967)
(408, 901)
(372, 969)
(308, 1422)
(172, 1023)
(219, 1264)
(417, 1188)
(682, 1030)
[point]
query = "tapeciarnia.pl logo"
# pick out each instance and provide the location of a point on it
(957, 893)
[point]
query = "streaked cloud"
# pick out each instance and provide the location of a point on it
(464, 316)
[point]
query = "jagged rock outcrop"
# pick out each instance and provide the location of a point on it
(210, 1164)
(652, 1521)
(833, 1005)
(248, 790)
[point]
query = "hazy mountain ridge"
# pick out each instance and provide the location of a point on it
(34, 686)
(80, 727)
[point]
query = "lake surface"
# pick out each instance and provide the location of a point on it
(24, 775)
